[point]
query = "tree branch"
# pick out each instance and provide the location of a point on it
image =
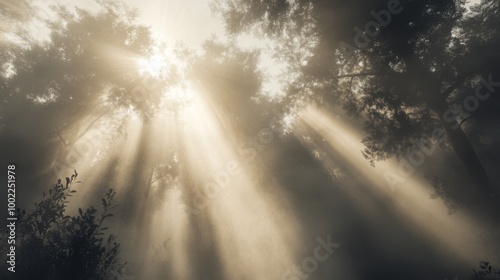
(464, 120)
(350, 87)
(357, 75)
(455, 84)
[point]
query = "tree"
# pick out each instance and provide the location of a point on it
(85, 73)
(486, 272)
(397, 64)
(50, 244)
(230, 79)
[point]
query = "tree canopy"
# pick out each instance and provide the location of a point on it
(399, 65)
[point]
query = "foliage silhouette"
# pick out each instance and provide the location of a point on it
(443, 191)
(85, 76)
(486, 273)
(53, 245)
(231, 78)
(401, 79)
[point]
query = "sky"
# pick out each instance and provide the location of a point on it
(192, 22)
(171, 21)
(189, 21)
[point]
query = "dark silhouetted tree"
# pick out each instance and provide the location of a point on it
(486, 273)
(51, 244)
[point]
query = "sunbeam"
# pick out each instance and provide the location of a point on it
(226, 196)
(411, 198)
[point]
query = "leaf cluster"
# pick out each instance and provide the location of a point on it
(54, 245)
(487, 272)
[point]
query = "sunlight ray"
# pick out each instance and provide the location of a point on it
(97, 148)
(411, 199)
(234, 205)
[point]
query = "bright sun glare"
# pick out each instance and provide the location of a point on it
(153, 65)
(179, 95)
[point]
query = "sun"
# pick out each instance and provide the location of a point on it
(154, 65)
(179, 93)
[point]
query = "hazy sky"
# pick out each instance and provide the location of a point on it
(190, 21)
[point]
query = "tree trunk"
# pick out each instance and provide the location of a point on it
(465, 152)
